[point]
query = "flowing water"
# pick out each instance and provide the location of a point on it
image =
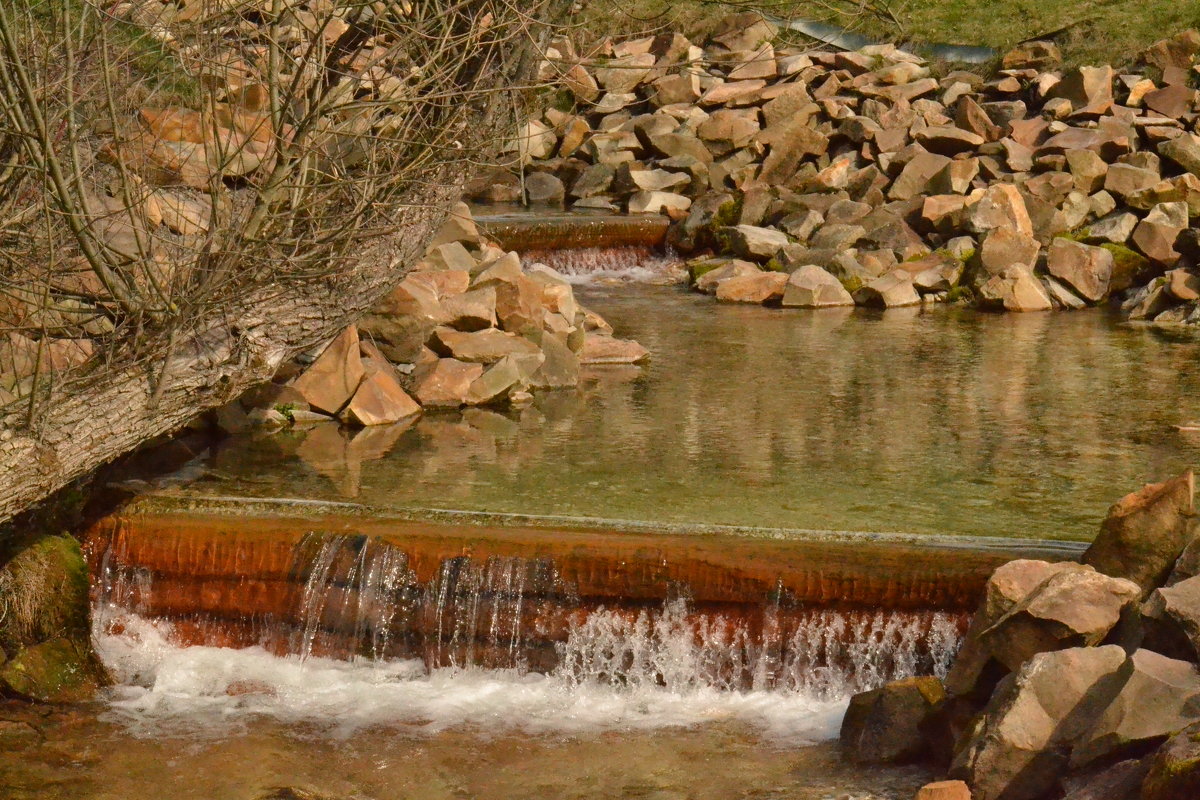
(654, 612)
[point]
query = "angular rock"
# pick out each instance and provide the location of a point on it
(329, 383)
(606, 349)
(892, 290)
(944, 790)
(1184, 151)
(445, 383)
(1021, 748)
(1175, 769)
(1001, 206)
(884, 725)
(753, 243)
(379, 400)
(480, 347)
(1171, 616)
(1005, 247)
(1085, 269)
(1123, 180)
(710, 272)
(758, 287)
(914, 179)
(1145, 532)
(1159, 697)
(1071, 608)
(813, 287)
(622, 75)
(510, 374)
(1015, 289)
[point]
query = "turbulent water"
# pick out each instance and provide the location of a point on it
(600, 265)
(788, 674)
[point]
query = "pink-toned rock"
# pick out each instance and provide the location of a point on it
(329, 383)
(379, 400)
(603, 349)
(757, 287)
(944, 790)
(445, 382)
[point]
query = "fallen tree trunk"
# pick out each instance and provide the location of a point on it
(211, 366)
(158, 259)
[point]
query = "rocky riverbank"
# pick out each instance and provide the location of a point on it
(1077, 681)
(470, 325)
(810, 179)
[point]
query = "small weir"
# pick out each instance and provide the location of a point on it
(718, 610)
(587, 246)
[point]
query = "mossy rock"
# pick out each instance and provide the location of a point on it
(61, 670)
(699, 267)
(1175, 769)
(1129, 267)
(960, 294)
(851, 283)
(44, 593)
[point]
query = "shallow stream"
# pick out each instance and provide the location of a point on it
(929, 423)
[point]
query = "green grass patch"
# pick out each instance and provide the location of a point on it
(1088, 31)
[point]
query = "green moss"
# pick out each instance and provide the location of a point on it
(1128, 266)
(852, 283)
(699, 267)
(960, 294)
(288, 411)
(58, 671)
(44, 593)
(1080, 235)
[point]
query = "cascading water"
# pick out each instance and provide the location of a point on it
(495, 641)
(611, 264)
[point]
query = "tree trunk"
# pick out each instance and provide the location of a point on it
(242, 346)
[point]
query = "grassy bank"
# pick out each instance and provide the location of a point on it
(1089, 31)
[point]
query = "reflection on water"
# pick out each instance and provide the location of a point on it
(939, 421)
(65, 754)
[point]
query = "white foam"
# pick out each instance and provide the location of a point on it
(205, 690)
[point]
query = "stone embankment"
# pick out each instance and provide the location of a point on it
(810, 179)
(1075, 681)
(470, 325)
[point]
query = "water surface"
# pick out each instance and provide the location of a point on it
(935, 421)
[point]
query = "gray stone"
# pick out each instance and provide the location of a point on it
(752, 242)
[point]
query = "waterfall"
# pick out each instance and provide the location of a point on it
(616, 264)
(356, 616)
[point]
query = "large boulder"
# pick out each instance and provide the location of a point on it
(1145, 532)
(45, 651)
(756, 287)
(752, 242)
(1070, 608)
(884, 724)
(1023, 743)
(1008, 586)
(445, 382)
(1159, 696)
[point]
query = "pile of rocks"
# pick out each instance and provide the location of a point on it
(821, 178)
(468, 326)
(1074, 680)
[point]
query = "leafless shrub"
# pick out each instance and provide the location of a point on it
(193, 190)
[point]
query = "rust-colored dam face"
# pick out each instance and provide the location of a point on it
(546, 232)
(337, 581)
